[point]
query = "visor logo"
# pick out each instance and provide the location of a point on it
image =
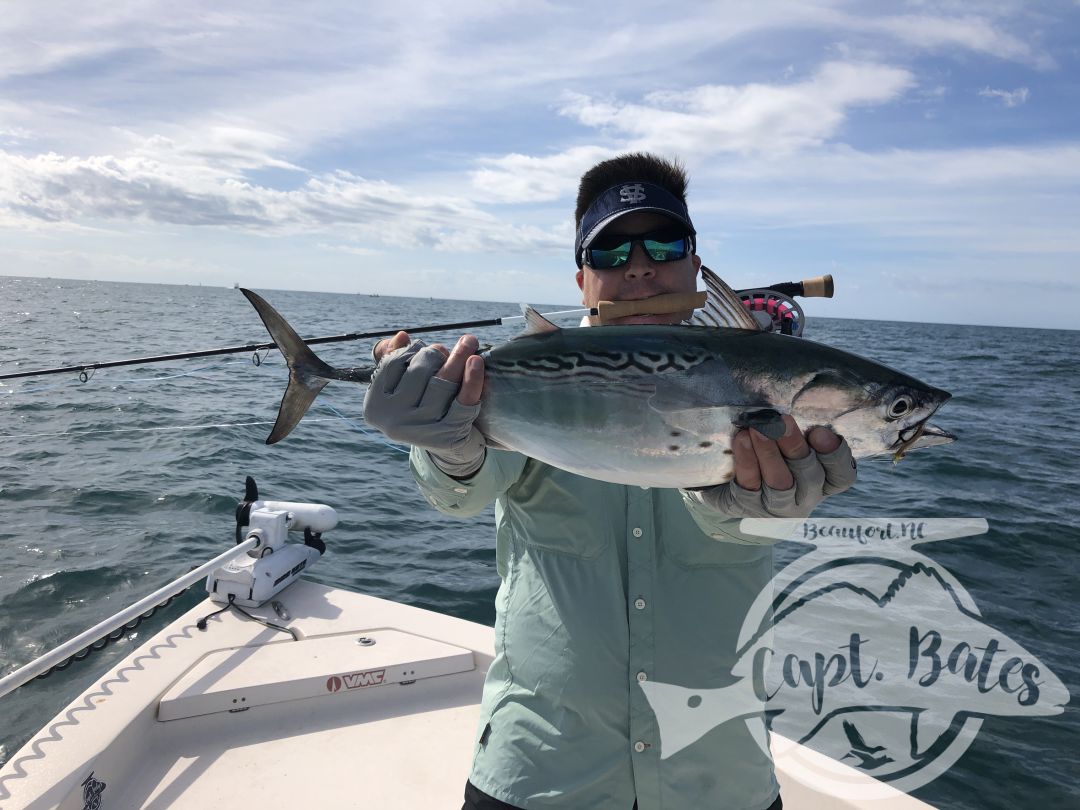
(633, 193)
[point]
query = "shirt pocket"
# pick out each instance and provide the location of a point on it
(685, 544)
(554, 510)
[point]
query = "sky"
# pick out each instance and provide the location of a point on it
(926, 154)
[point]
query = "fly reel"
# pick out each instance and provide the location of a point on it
(775, 307)
(774, 311)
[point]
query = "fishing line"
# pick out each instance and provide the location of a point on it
(142, 430)
(256, 360)
(24, 390)
(374, 435)
(191, 373)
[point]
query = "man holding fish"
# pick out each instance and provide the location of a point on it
(606, 586)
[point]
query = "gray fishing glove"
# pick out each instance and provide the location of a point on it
(816, 475)
(408, 403)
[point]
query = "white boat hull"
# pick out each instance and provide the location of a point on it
(242, 715)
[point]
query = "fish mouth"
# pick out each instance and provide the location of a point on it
(919, 435)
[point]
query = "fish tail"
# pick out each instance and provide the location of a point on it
(308, 375)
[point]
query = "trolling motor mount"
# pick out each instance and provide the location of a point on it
(256, 577)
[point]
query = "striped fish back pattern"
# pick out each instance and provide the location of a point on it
(558, 361)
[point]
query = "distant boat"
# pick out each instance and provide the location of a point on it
(236, 285)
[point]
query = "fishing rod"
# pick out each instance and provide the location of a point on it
(85, 368)
(605, 310)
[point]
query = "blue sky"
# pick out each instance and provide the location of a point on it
(927, 154)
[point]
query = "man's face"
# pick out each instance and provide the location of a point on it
(640, 277)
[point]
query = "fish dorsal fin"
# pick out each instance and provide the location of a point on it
(535, 323)
(722, 307)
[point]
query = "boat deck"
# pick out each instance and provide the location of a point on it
(376, 705)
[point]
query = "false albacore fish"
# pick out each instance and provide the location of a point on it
(654, 405)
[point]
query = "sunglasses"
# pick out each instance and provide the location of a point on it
(667, 245)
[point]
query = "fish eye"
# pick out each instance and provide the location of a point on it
(901, 405)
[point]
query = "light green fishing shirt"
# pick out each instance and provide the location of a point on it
(605, 586)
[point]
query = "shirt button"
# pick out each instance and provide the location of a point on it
(637, 532)
(639, 603)
(639, 746)
(642, 677)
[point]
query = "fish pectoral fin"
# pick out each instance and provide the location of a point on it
(495, 443)
(699, 423)
(767, 421)
(709, 384)
(535, 323)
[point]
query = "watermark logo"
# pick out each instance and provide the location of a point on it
(868, 651)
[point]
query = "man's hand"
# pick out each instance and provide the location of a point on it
(462, 366)
(429, 397)
(783, 478)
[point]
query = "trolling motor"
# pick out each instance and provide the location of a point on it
(256, 577)
(775, 307)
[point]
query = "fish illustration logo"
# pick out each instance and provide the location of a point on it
(868, 651)
(92, 790)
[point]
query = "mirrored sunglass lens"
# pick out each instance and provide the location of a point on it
(666, 251)
(662, 246)
(602, 259)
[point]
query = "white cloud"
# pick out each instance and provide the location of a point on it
(524, 178)
(969, 31)
(352, 250)
(329, 70)
(140, 189)
(1039, 167)
(216, 148)
(754, 119)
(11, 135)
(963, 195)
(1010, 98)
(748, 119)
(353, 131)
(107, 264)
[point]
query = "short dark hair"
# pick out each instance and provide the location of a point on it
(668, 174)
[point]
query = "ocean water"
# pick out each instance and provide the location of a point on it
(112, 487)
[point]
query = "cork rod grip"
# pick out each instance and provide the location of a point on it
(820, 287)
(657, 305)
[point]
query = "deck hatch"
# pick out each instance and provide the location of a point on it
(329, 667)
